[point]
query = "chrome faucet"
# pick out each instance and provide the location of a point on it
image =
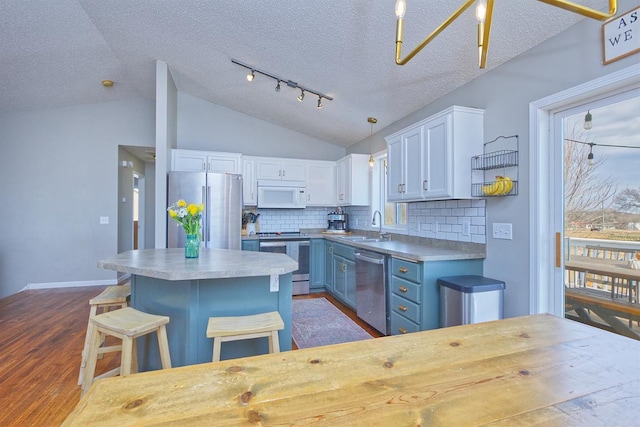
(373, 222)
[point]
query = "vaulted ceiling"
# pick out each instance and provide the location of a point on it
(56, 53)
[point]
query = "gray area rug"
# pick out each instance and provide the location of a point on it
(317, 322)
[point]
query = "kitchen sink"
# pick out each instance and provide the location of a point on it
(354, 238)
(362, 239)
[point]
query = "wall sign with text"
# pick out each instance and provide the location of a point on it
(621, 36)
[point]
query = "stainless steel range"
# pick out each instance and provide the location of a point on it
(296, 246)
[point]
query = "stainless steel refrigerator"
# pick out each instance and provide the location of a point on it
(221, 195)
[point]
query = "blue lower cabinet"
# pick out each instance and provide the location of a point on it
(251, 245)
(344, 274)
(317, 265)
(414, 300)
(328, 266)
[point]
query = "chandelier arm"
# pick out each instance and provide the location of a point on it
(583, 10)
(441, 27)
(486, 33)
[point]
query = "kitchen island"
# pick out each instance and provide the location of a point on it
(219, 283)
(534, 370)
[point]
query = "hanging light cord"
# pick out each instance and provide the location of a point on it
(593, 144)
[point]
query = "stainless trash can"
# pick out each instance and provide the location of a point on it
(470, 299)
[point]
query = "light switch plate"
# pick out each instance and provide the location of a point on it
(502, 231)
(104, 220)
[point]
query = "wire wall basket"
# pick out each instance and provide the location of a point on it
(495, 160)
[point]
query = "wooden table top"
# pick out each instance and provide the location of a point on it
(534, 370)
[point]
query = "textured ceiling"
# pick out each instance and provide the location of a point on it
(56, 52)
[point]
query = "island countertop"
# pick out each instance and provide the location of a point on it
(170, 264)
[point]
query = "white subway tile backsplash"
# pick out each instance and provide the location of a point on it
(436, 220)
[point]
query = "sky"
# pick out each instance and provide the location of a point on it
(616, 124)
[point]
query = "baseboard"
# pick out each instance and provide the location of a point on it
(77, 284)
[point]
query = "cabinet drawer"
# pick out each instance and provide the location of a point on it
(405, 308)
(344, 251)
(402, 325)
(406, 289)
(406, 269)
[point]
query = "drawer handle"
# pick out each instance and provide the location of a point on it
(402, 308)
(403, 270)
(402, 289)
(402, 330)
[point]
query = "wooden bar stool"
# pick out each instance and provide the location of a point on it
(113, 297)
(224, 329)
(125, 324)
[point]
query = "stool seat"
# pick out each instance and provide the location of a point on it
(125, 324)
(129, 322)
(113, 297)
(234, 328)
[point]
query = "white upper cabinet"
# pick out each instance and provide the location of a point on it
(282, 169)
(353, 180)
(430, 159)
(321, 183)
(205, 161)
(249, 182)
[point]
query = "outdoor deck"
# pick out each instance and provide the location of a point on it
(601, 287)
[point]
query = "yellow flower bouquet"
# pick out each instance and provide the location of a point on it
(187, 215)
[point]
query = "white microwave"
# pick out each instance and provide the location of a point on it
(282, 194)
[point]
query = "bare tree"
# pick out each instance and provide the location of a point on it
(587, 193)
(628, 200)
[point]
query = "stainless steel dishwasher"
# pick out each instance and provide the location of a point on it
(371, 289)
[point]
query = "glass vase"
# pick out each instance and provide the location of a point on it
(192, 246)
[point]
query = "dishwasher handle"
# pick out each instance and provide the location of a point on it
(370, 257)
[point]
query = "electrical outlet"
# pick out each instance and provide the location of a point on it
(104, 220)
(502, 231)
(466, 227)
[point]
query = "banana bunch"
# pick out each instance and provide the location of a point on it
(501, 186)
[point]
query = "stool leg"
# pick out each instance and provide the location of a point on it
(217, 341)
(92, 359)
(274, 342)
(163, 344)
(126, 357)
(87, 342)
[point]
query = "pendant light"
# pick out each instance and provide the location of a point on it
(372, 121)
(588, 121)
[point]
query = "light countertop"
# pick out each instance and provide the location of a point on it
(170, 264)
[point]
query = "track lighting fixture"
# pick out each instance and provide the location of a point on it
(588, 124)
(484, 12)
(289, 83)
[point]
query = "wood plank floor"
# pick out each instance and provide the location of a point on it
(42, 333)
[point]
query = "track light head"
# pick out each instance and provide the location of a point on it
(278, 86)
(301, 96)
(319, 103)
(251, 76)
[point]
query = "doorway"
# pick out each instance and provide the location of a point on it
(138, 199)
(547, 204)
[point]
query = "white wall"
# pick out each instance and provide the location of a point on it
(566, 60)
(206, 126)
(58, 175)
